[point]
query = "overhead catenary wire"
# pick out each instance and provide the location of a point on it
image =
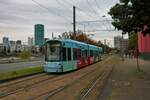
(93, 9)
(57, 14)
(90, 21)
(63, 6)
(107, 26)
(97, 4)
(78, 8)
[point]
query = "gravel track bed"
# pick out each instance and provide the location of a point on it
(13, 87)
(76, 90)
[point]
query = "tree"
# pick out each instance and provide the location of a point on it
(65, 35)
(129, 15)
(132, 45)
(82, 37)
(123, 19)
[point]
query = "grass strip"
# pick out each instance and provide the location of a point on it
(20, 73)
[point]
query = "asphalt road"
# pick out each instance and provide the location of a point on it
(20, 65)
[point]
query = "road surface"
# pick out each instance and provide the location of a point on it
(20, 65)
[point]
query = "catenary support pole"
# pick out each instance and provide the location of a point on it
(74, 21)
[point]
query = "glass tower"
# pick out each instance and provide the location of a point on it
(39, 34)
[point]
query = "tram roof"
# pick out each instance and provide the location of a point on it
(73, 41)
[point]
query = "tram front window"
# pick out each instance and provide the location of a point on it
(53, 52)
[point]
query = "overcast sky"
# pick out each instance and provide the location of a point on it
(18, 17)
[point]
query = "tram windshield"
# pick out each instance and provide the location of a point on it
(53, 51)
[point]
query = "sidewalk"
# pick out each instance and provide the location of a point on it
(126, 83)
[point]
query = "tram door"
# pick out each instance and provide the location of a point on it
(68, 63)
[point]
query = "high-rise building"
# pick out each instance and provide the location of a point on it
(39, 34)
(30, 41)
(120, 43)
(124, 44)
(12, 45)
(117, 40)
(5, 40)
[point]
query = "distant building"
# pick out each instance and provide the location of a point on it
(11, 42)
(12, 45)
(5, 40)
(39, 34)
(30, 41)
(5, 46)
(117, 40)
(1, 48)
(18, 42)
(124, 44)
(120, 44)
(18, 46)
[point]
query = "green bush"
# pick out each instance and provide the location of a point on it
(25, 55)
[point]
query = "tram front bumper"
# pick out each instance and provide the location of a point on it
(53, 67)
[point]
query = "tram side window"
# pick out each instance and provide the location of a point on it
(69, 53)
(64, 54)
(74, 53)
(86, 53)
(94, 53)
(91, 53)
(83, 53)
(79, 53)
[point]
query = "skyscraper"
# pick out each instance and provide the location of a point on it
(39, 34)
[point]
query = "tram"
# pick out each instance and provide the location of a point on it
(66, 55)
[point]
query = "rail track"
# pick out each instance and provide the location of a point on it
(47, 95)
(97, 81)
(83, 97)
(12, 82)
(17, 86)
(46, 83)
(33, 85)
(55, 92)
(86, 91)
